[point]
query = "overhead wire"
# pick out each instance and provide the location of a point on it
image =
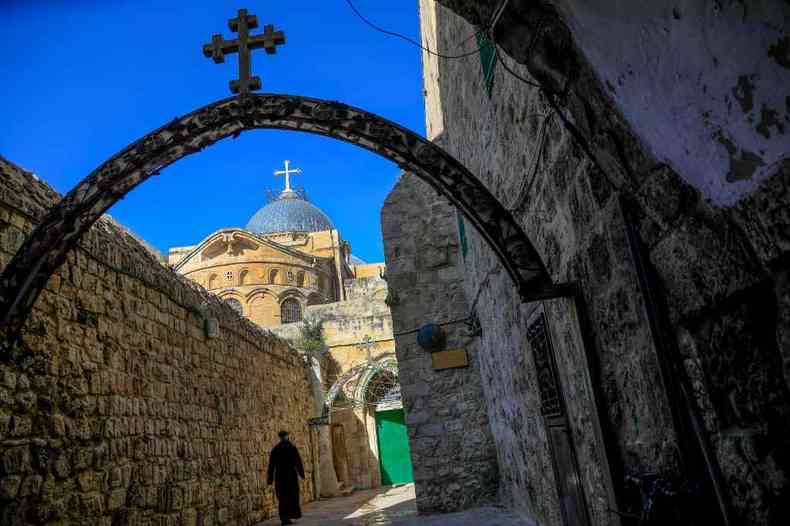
(488, 29)
(411, 40)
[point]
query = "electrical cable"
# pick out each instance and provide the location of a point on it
(516, 75)
(527, 182)
(487, 29)
(409, 39)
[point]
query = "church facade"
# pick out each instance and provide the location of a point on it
(288, 257)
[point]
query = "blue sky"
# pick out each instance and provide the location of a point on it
(83, 78)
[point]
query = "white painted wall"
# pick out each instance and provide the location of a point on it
(705, 83)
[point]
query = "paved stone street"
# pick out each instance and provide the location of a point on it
(394, 506)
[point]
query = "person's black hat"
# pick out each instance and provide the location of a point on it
(282, 434)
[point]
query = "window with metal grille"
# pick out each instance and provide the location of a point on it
(290, 311)
(229, 276)
(488, 59)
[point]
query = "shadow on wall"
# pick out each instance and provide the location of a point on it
(361, 467)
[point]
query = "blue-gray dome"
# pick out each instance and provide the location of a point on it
(289, 213)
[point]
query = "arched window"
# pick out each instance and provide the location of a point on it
(383, 388)
(212, 281)
(243, 277)
(236, 305)
(290, 311)
(300, 279)
(273, 276)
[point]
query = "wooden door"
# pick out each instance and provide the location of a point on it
(555, 418)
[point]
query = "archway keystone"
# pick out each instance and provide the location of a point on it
(46, 248)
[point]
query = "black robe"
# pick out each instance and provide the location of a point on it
(284, 466)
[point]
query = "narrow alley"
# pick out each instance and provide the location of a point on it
(394, 506)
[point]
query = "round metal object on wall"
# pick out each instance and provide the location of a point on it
(431, 337)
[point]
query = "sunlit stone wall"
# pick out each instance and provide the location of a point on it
(126, 412)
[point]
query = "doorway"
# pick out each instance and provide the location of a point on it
(394, 453)
(340, 454)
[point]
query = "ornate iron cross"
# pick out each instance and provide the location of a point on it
(242, 24)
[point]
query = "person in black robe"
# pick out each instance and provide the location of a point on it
(285, 465)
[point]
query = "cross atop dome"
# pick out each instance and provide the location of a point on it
(287, 173)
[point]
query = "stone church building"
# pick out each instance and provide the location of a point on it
(288, 256)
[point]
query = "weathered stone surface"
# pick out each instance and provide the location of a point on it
(126, 401)
(648, 248)
(454, 461)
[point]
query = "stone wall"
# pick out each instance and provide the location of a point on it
(681, 295)
(451, 445)
(123, 411)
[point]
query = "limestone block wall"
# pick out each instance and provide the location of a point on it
(665, 273)
(362, 454)
(453, 453)
(124, 412)
(372, 287)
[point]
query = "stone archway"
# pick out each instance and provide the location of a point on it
(361, 375)
(46, 248)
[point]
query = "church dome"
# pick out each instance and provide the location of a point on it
(290, 212)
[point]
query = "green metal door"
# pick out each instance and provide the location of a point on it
(394, 455)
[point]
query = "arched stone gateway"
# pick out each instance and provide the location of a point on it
(46, 248)
(361, 375)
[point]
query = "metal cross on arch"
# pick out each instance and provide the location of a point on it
(242, 24)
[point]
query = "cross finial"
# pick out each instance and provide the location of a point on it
(367, 345)
(242, 24)
(287, 173)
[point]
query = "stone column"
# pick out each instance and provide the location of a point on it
(327, 478)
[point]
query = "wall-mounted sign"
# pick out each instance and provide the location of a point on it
(450, 359)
